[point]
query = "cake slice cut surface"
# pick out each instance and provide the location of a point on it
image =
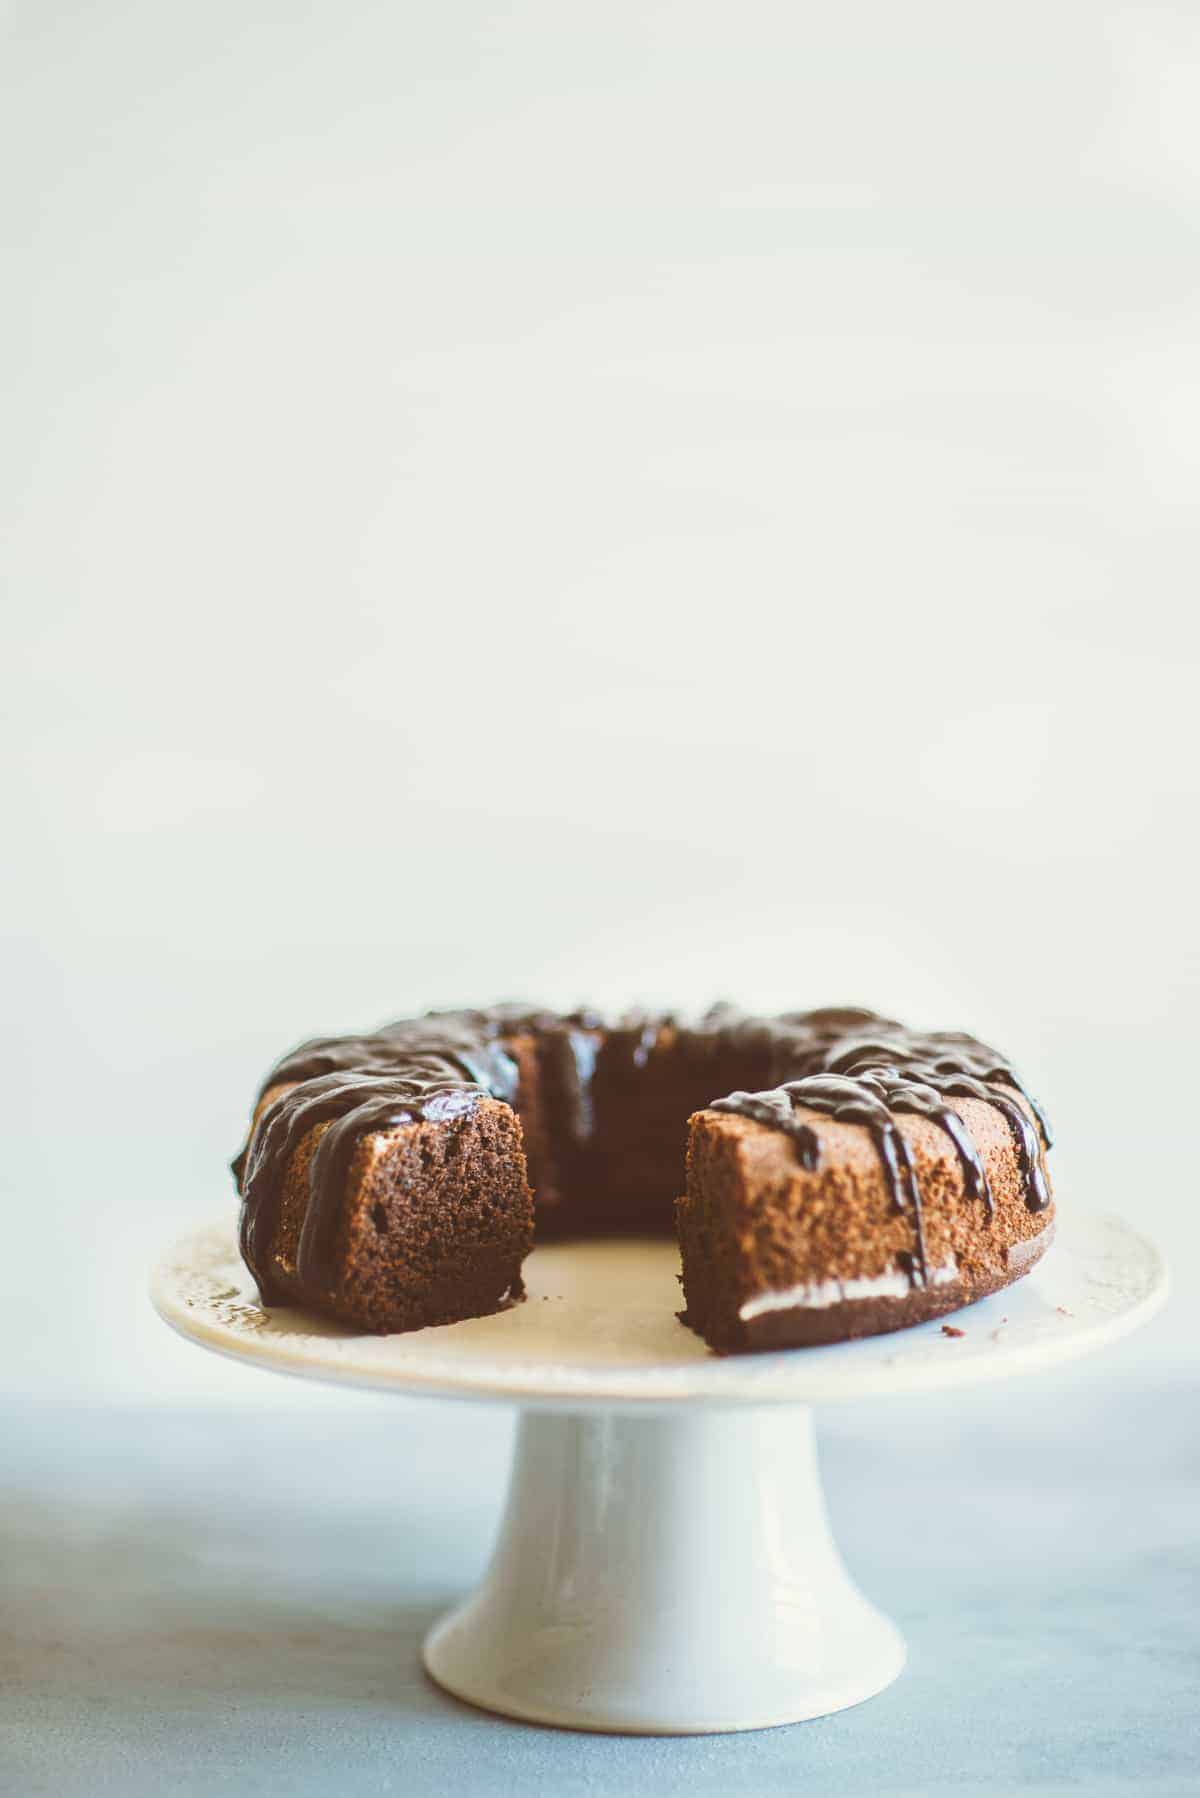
(808, 1234)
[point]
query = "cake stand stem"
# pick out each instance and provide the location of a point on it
(670, 1573)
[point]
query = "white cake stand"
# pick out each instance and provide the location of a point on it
(665, 1563)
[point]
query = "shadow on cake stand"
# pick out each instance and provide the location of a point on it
(665, 1563)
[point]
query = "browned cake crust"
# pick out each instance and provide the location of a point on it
(853, 1178)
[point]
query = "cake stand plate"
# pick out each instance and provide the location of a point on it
(665, 1563)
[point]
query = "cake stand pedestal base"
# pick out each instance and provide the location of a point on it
(667, 1574)
(665, 1563)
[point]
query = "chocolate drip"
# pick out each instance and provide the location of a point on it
(850, 1102)
(353, 1105)
(433, 1067)
(629, 1041)
(569, 1060)
(1029, 1150)
(390, 1053)
(936, 1055)
(885, 1073)
(846, 1063)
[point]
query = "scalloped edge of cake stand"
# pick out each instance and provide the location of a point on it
(599, 1327)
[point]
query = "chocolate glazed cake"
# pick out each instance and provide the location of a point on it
(845, 1175)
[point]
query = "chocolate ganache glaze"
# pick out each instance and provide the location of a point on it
(879, 1070)
(846, 1064)
(433, 1067)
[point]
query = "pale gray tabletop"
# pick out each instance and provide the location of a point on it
(219, 1602)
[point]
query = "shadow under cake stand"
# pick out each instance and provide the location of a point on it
(665, 1563)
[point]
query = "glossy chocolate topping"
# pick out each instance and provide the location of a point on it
(434, 1067)
(846, 1064)
(879, 1071)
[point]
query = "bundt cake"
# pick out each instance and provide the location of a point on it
(844, 1175)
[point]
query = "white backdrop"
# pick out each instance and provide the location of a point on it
(644, 502)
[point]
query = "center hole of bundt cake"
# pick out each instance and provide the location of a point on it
(618, 1167)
